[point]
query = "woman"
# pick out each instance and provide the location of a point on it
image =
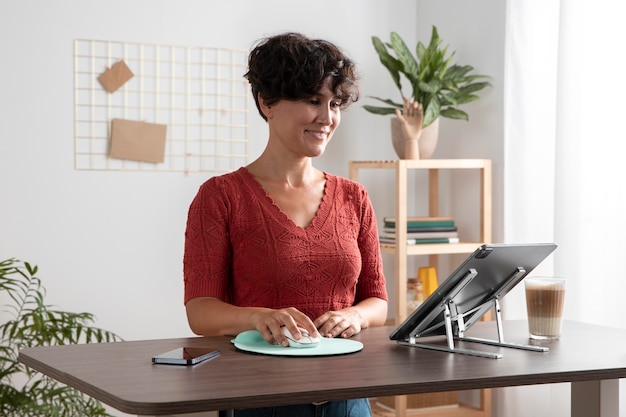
(279, 242)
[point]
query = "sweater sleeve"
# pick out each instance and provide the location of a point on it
(207, 256)
(372, 279)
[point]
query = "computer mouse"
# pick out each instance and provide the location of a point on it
(306, 341)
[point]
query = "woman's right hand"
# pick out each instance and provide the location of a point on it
(269, 324)
(209, 316)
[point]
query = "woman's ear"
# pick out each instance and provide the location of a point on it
(265, 108)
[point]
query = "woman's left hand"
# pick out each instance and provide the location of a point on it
(343, 323)
(350, 321)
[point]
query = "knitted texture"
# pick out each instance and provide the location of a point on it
(242, 248)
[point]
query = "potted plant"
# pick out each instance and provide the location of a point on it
(437, 84)
(30, 322)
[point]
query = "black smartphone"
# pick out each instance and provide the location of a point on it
(186, 356)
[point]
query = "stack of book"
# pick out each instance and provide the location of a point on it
(422, 230)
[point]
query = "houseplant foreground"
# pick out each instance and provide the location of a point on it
(30, 323)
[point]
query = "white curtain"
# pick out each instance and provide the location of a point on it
(563, 164)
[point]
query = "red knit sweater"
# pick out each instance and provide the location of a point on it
(241, 248)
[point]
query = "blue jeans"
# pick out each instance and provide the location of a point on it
(349, 408)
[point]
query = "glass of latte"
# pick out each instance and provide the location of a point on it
(545, 297)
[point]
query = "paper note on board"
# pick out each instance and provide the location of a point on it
(115, 77)
(137, 141)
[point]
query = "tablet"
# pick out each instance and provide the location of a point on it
(186, 356)
(486, 275)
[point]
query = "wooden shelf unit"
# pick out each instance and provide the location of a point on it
(402, 251)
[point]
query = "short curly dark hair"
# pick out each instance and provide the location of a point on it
(292, 66)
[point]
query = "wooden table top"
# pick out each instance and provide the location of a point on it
(121, 374)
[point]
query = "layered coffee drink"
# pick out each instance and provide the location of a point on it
(545, 297)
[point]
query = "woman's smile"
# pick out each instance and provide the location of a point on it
(321, 135)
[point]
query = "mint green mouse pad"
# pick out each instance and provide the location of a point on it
(252, 341)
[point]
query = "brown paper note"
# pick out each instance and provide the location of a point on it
(115, 77)
(137, 141)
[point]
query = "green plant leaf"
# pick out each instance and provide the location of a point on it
(432, 111)
(409, 64)
(379, 110)
(431, 87)
(474, 87)
(456, 72)
(392, 64)
(389, 102)
(453, 113)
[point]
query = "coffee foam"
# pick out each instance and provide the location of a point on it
(545, 283)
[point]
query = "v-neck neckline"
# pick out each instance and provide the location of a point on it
(320, 215)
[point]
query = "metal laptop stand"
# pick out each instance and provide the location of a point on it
(451, 314)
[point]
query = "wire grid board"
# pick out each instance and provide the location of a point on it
(199, 93)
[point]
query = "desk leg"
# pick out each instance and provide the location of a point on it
(595, 398)
(227, 413)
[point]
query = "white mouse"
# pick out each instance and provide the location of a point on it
(306, 341)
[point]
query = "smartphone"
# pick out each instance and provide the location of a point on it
(186, 356)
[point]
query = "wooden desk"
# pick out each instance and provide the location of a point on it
(120, 374)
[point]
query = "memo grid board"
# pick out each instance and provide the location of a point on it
(199, 93)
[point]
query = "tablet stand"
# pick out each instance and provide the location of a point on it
(451, 314)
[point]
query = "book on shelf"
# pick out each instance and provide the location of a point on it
(422, 218)
(420, 235)
(423, 241)
(425, 229)
(416, 222)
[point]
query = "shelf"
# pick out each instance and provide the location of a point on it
(424, 164)
(432, 249)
